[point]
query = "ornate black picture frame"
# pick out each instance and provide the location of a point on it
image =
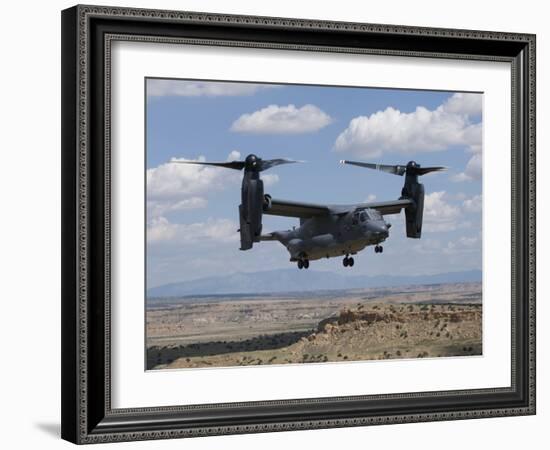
(87, 34)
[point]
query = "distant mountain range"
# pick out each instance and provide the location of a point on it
(292, 280)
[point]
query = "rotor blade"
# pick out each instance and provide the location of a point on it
(268, 163)
(425, 170)
(237, 165)
(395, 170)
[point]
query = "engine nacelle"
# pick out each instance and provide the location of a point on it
(250, 212)
(414, 214)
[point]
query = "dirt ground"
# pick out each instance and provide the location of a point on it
(413, 322)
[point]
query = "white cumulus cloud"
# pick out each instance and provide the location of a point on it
(270, 179)
(179, 181)
(422, 130)
(234, 156)
(160, 229)
(275, 119)
(185, 88)
(473, 170)
(156, 208)
(176, 187)
(371, 198)
(439, 214)
(473, 204)
(463, 103)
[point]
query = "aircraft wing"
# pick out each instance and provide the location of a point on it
(289, 208)
(389, 207)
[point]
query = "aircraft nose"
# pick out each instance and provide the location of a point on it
(378, 228)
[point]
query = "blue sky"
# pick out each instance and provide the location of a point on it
(192, 210)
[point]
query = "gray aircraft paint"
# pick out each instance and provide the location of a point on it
(325, 231)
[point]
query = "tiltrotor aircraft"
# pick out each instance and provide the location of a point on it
(325, 231)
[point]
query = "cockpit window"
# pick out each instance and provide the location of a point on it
(373, 214)
(363, 216)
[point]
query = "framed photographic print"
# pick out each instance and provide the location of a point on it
(281, 224)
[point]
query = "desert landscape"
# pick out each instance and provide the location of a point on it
(438, 320)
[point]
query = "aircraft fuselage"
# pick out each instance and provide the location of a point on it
(334, 235)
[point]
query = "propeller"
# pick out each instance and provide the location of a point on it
(411, 168)
(251, 163)
(252, 193)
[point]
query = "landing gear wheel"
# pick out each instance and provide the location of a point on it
(306, 263)
(348, 261)
(300, 264)
(381, 249)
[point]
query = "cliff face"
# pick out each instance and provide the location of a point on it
(404, 331)
(366, 332)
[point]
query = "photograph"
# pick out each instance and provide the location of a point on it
(294, 223)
